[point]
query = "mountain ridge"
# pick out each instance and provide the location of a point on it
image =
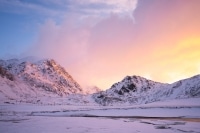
(139, 90)
(45, 76)
(45, 81)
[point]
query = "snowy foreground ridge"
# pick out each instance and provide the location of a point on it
(41, 97)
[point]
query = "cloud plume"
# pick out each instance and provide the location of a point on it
(160, 44)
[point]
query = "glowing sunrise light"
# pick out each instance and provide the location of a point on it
(98, 42)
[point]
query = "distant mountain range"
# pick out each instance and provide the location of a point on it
(45, 81)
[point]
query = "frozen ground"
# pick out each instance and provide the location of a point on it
(41, 124)
(179, 116)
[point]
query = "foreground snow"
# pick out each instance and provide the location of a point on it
(99, 125)
(174, 116)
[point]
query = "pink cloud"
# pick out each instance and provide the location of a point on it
(101, 52)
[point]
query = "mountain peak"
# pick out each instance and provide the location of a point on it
(51, 62)
(134, 78)
(40, 76)
(133, 84)
(138, 90)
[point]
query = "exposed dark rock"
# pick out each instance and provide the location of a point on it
(5, 73)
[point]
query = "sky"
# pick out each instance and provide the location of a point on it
(99, 42)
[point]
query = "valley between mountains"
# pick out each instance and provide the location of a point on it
(35, 93)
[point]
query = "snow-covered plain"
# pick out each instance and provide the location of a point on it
(95, 125)
(41, 97)
(173, 116)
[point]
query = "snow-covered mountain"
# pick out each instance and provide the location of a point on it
(24, 80)
(45, 81)
(138, 90)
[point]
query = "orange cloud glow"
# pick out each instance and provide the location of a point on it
(162, 44)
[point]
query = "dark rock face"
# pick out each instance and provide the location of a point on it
(6, 74)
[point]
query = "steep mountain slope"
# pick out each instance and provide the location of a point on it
(138, 90)
(24, 80)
